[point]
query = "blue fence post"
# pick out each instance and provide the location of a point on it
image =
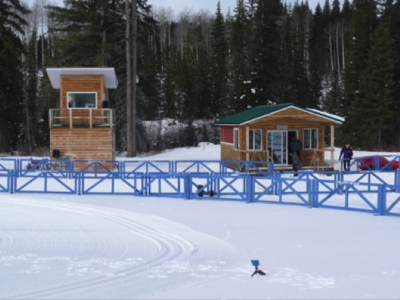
(16, 171)
(381, 200)
(340, 182)
(376, 163)
(10, 176)
(312, 186)
(316, 192)
(187, 185)
(250, 188)
(279, 189)
(369, 181)
(79, 180)
(275, 178)
(45, 182)
(397, 180)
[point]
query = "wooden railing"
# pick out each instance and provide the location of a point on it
(76, 118)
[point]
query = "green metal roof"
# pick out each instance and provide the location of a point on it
(264, 110)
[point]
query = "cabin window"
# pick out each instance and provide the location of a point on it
(81, 100)
(310, 138)
(236, 138)
(255, 139)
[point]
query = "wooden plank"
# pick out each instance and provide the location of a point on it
(85, 144)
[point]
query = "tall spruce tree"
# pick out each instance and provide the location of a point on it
(12, 22)
(393, 16)
(265, 65)
(317, 57)
(219, 103)
(375, 109)
(364, 23)
(239, 34)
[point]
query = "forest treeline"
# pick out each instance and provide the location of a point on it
(343, 58)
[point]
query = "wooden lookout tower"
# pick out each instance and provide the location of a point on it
(82, 127)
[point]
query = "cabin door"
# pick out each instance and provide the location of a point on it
(278, 146)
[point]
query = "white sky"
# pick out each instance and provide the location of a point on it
(180, 5)
(211, 5)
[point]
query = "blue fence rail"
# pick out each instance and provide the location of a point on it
(372, 163)
(367, 191)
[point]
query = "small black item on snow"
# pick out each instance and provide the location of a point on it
(256, 263)
(199, 187)
(212, 193)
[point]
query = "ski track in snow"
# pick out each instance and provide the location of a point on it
(154, 254)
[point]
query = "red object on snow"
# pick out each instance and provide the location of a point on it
(368, 163)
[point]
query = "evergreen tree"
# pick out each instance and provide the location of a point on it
(375, 108)
(219, 103)
(393, 20)
(300, 51)
(317, 57)
(240, 55)
(12, 22)
(364, 22)
(265, 66)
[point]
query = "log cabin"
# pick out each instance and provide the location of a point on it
(264, 133)
(82, 127)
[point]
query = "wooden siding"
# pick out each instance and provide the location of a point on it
(81, 83)
(228, 152)
(83, 143)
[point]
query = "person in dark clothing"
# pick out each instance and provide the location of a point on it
(296, 163)
(347, 154)
(296, 145)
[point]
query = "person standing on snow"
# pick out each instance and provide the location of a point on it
(296, 163)
(295, 146)
(347, 153)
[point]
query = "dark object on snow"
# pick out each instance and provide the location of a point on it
(34, 164)
(201, 193)
(257, 271)
(212, 193)
(56, 153)
(256, 263)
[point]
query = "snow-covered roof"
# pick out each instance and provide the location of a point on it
(327, 114)
(261, 111)
(110, 80)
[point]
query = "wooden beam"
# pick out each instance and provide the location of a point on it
(247, 143)
(70, 118)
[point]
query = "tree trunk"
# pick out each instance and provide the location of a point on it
(129, 126)
(134, 66)
(330, 47)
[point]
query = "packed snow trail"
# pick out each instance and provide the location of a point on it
(55, 250)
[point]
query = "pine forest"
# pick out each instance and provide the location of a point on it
(193, 67)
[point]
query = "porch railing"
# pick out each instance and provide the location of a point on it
(76, 118)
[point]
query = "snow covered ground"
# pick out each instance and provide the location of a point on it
(55, 246)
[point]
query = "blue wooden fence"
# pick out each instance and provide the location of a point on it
(368, 191)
